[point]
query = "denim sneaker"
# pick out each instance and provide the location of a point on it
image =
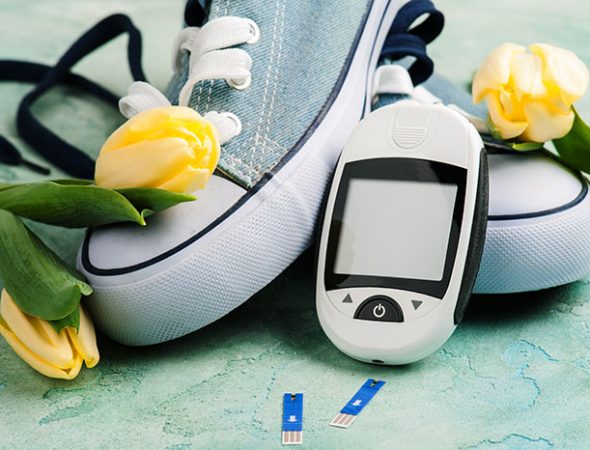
(295, 86)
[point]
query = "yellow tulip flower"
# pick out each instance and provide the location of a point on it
(170, 147)
(39, 345)
(530, 94)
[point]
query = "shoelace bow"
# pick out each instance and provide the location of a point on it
(211, 56)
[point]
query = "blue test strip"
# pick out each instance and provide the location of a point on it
(292, 419)
(356, 404)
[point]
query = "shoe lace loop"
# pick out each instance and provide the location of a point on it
(210, 55)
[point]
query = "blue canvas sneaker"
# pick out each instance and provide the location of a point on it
(293, 79)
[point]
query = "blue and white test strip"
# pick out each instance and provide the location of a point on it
(292, 419)
(356, 404)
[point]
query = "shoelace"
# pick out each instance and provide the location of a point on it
(52, 147)
(211, 57)
(406, 40)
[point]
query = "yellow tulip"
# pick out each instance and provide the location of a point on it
(170, 147)
(39, 345)
(530, 93)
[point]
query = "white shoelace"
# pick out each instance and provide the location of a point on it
(210, 58)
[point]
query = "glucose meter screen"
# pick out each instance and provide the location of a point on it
(394, 228)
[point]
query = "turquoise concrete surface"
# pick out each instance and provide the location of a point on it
(515, 375)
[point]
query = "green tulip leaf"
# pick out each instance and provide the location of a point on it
(526, 146)
(79, 203)
(74, 182)
(40, 283)
(574, 147)
(73, 320)
(148, 200)
(68, 205)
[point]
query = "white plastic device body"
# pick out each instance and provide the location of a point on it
(360, 312)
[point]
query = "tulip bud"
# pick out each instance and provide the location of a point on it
(530, 94)
(171, 148)
(39, 345)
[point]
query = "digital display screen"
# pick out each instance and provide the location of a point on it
(395, 228)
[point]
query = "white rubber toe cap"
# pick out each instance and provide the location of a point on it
(122, 247)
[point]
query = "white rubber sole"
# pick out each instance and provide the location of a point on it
(203, 281)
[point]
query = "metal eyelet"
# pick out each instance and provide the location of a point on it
(235, 119)
(240, 86)
(255, 30)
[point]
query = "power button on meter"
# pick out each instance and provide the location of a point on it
(380, 308)
(379, 311)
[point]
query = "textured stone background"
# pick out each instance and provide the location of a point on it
(515, 375)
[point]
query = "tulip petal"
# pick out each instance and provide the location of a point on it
(207, 154)
(34, 361)
(215, 150)
(143, 164)
(527, 75)
(506, 127)
(85, 340)
(545, 123)
(37, 335)
(171, 131)
(147, 124)
(512, 108)
(171, 148)
(189, 180)
(563, 70)
(495, 70)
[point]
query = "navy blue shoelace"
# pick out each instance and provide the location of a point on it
(404, 41)
(64, 155)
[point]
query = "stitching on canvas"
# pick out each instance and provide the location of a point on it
(237, 165)
(267, 142)
(212, 82)
(198, 102)
(276, 73)
(272, 143)
(199, 95)
(251, 170)
(275, 70)
(269, 69)
(235, 161)
(263, 142)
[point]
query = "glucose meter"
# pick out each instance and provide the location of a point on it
(403, 233)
